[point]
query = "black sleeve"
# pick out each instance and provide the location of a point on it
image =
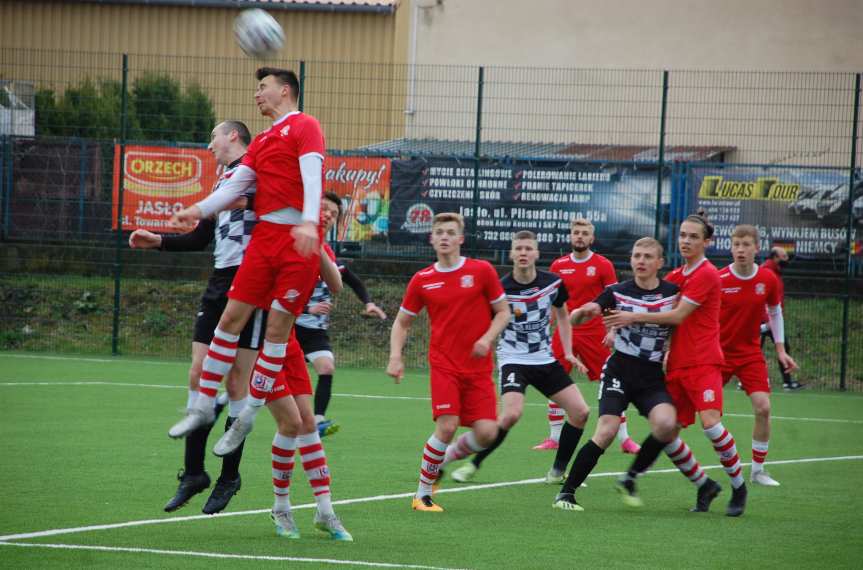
(350, 279)
(606, 298)
(562, 296)
(196, 240)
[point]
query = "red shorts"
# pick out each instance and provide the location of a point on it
(752, 374)
(470, 396)
(694, 389)
(588, 347)
(273, 270)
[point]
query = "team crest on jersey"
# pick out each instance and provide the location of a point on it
(709, 396)
(591, 271)
(759, 288)
(285, 130)
(467, 281)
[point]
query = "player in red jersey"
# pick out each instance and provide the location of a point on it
(585, 274)
(467, 310)
(746, 289)
(279, 269)
(694, 377)
(290, 403)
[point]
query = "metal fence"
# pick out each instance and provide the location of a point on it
(511, 148)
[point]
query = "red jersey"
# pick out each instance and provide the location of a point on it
(695, 342)
(584, 281)
(743, 305)
(457, 301)
(275, 154)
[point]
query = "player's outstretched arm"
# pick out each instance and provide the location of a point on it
(669, 318)
(143, 239)
(501, 318)
(584, 313)
(398, 339)
(238, 186)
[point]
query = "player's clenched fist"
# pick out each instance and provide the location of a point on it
(396, 369)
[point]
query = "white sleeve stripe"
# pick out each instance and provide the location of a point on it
(499, 299)
(690, 301)
(402, 309)
(319, 155)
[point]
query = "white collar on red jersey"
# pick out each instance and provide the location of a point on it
(741, 277)
(585, 260)
(687, 272)
(455, 267)
(285, 116)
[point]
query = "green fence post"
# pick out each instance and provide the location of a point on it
(6, 185)
(849, 227)
(118, 257)
(477, 151)
(661, 165)
(302, 85)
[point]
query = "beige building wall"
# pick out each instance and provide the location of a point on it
(770, 116)
(57, 44)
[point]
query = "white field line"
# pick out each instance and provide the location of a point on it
(376, 498)
(117, 360)
(372, 397)
(223, 555)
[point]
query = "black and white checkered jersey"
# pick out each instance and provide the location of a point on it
(233, 228)
(645, 341)
(527, 339)
(321, 294)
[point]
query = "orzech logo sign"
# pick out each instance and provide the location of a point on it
(158, 181)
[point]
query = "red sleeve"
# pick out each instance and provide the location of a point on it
(310, 137)
(554, 268)
(492, 288)
(413, 302)
(698, 288)
(250, 158)
(609, 277)
(774, 290)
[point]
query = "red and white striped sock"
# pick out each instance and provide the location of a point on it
(219, 360)
(433, 454)
(555, 420)
(267, 367)
(315, 465)
(759, 454)
(283, 465)
(680, 454)
(622, 431)
(723, 443)
(465, 445)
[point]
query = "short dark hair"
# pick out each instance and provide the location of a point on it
(701, 218)
(284, 76)
(241, 128)
(335, 199)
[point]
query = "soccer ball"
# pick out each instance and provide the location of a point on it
(258, 33)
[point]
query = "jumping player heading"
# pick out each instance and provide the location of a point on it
(280, 267)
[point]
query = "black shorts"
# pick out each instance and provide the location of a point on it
(213, 302)
(627, 379)
(549, 378)
(313, 341)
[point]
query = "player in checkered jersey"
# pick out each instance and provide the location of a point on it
(232, 230)
(633, 374)
(585, 274)
(524, 350)
(313, 325)
(746, 290)
(467, 309)
(694, 376)
(284, 164)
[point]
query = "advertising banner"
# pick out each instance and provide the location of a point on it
(803, 210)
(159, 181)
(364, 187)
(511, 196)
